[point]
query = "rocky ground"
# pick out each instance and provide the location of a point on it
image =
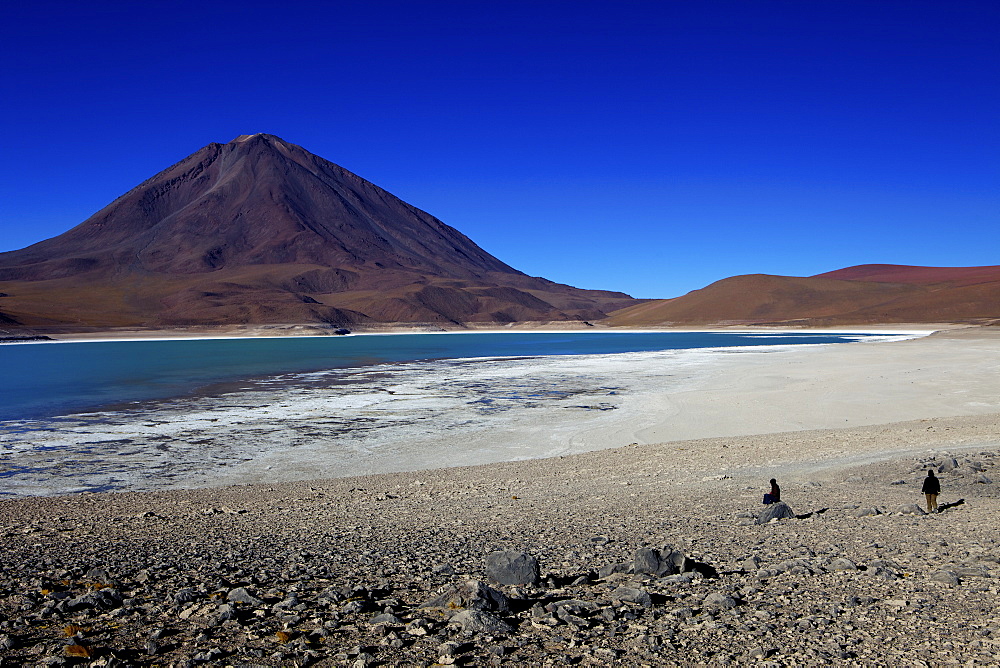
(639, 565)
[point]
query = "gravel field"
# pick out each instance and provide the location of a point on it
(646, 555)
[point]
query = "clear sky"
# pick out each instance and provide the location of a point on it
(647, 147)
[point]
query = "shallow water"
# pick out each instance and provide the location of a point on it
(48, 379)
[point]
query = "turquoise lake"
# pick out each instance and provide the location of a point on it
(43, 380)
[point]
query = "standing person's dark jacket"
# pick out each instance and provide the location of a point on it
(931, 484)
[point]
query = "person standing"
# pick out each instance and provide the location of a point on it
(931, 489)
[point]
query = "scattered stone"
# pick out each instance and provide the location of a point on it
(241, 595)
(632, 595)
(658, 562)
(102, 599)
(949, 464)
(610, 569)
(945, 577)
(473, 595)
(774, 512)
(720, 600)
(312, 576)
(512, 568)
(910, 509)
(478, 621)
(386, 618)
(842, 564)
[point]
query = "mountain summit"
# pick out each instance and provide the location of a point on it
(260, 230)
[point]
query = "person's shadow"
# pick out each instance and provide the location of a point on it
(946, 506)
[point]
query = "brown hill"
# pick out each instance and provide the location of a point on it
(897, 273)
(866, 294)
(262, 231)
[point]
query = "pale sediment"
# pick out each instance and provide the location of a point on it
(425, 415)
(324, 562)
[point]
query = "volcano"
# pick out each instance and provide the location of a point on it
(261, 231)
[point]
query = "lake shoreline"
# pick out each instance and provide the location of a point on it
(453, 413)
(300, 330)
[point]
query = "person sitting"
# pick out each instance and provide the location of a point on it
(774, 496)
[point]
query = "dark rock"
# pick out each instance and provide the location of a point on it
(945, 577)
(241, 595)
(610, 569)
(720, 600)
(775, 511)
(949, 464)
(386, 618)
(355, 605)
(473, 595)
(102, 599)
(910, 509)
(478, 621)
(659, 562)
(225, 613)
(632, 595)
(186, 595)
(842, 564)
(512, 568)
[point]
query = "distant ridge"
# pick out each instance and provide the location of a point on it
(861, 295)
(260, 231)
(896, 273)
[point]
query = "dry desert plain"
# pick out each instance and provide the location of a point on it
(648, 554)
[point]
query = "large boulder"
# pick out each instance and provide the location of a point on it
(512, 568)
(775, 511)
(241, 595)
(632, 595)
(102, 599)
(720, 600)
(667, 561)
(945, 577)
(842, 564)
(910, 509)
(470, 595)
(477, 621)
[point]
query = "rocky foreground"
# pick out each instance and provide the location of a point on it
(640, 561)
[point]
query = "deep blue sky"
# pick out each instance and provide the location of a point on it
(648, 147)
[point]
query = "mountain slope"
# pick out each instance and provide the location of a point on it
(262, 231)
(867, 294)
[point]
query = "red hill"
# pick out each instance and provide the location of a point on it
(867, 294)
